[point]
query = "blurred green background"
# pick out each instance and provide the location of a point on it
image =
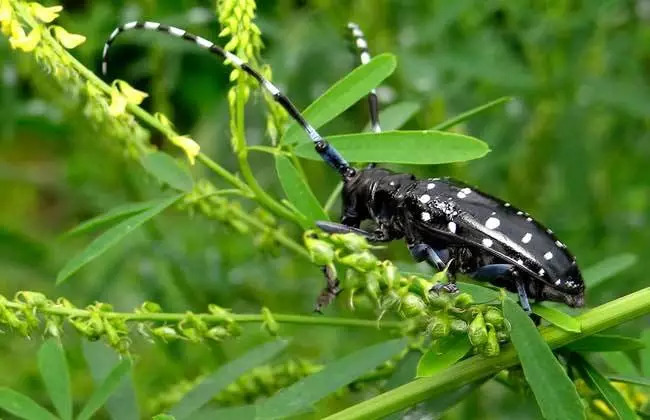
(572, 147)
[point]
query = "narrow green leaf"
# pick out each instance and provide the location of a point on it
(308, 391)
(469, 114)
(632, 380)
(168, 170)
(558, 318)
(410, 147)
(395, 116)
(607, 268)
(645, 354)
(343, 94)
(101, 360)
(605, 342)
(298, 192)
(619, 362)
(555, 393)
(448, 351)
(224, 376)
(605, 388)
(22, 406)
(105, 390)
(112, 215)
(54, 371)
(111, 237)
(480, 293)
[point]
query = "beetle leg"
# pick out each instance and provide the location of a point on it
(380, 235)
(331, 290)
(423, 252)
(494, 271)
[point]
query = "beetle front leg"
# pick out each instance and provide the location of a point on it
(423, 252)
(380, 235)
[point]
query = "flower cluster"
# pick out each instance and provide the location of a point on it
(599, 409)
(369, 281)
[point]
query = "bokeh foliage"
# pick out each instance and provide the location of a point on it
(571, 148)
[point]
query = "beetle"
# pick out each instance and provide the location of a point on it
(443, 221)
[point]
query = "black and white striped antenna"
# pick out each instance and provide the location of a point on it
(364, 55)
(328, 153)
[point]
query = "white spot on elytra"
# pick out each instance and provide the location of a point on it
(520, 261)
(392, 183)
(528, 219)
(492, 223)
(519, 213)
(548, 255)
(557, 282)
(559, 244)
(487, 242)
(461, 194)
(425, 198)
(506, 204)
(431, 186)
(549, 231)
(452, 227)
(527, 237)
(425, 216)
(541, 271)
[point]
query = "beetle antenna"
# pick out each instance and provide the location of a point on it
(364, 56)
(328, 153)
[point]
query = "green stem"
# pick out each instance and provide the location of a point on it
(601, 318)
(333, 196)
(211, 318)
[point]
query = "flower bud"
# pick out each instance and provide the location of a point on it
(477, 332)
(150, 308)
(438, 327)
(353, 279)
(494, 316)
(439, 301)
(217, 333)
(31, 298)
(351, 241)
(390, 274)
(422, 286)
(491, 347)
(321, 252)
(269, 323)
(166, 333)
(463, 301)
(372, 287)
(412, 305)
(363, 261)
(458, 326)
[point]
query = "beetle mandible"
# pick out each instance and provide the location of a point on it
(443, 221)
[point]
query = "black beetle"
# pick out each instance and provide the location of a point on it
(442, 220)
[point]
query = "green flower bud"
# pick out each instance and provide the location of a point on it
(439, 301)
(264, 216)
(150, 308)
(491, 347)
(502, 336)
(351, 241)
(31, 298)
(166, 333)
(269, 323)
(353, 279)
(217, 333)
(459, 326)
(238, 226)
(223, 313)
(463, 301)
(438, 327)
(372, 287)
(422, 286)
(321, 252)
(412, 305)
(390, 274)
(362, 261)
(494, 316)
(477, 332)
(192, 334)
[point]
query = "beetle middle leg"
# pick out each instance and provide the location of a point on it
(423, 252)
(509, 271)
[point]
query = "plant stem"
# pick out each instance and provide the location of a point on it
(211, 318)
(605, 316)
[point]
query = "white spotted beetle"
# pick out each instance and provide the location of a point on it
(443, 221)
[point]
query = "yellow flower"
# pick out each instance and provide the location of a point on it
(21, 41)
(189, 146)
(45, 14)
(133, 96)
(118, 103)
(5, 12)
(67, 39)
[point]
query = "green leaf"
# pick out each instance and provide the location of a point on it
(605, 388)
(605, 342)
(310, 390)
(395, 116)
(101, 360)
(298, 192)
(343, 94)
(163, 417)
(54, 371)
(105, 390)
(619, 362)
(445, 353)
(607, 268)
(111, 237)
(224, 376)
(22, 406)
(114, 214)
(469, 114)
(555, 393)
(480, 293)
(168, 170)
(557, 317)
(410, 147)
(632, 380)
